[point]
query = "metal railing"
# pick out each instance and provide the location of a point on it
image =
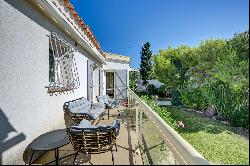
(158, 142)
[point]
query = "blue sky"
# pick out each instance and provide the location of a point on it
(121, 26)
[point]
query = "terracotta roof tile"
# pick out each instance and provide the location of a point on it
(78, 23)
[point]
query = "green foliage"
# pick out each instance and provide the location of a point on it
(214, 74)
(176, 98)
(162, 90)
(163, 112)
(193, 99)
(133, 75)
(152, 89)
(240, 42)
(146, 63)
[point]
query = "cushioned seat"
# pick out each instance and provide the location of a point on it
(109, 103)
(89, 139)
(95, 112)
(84, 124)
(83, 109)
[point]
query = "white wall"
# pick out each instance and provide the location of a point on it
(113, 66)
(96, 84)
(26, 109)
(104, 82)
(116, 65)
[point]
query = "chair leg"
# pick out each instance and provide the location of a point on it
(112, 157)
(108, 113)
(102, 116)
(31, 157)
(75, 158)
(119, 114)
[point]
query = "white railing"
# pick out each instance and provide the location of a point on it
(159, 143)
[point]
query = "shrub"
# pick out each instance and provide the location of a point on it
(162, 91)
(163, 112)
(214, 74)
(133, 75)
(176, 98)
(152, 89)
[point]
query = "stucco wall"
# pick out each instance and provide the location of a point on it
(26, 109)
(96, 84)
(116, 65)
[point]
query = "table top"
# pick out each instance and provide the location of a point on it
(51, 140)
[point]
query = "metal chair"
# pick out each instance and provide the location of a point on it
(109, 103)
(88, 139)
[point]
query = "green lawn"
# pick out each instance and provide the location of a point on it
(217, 142)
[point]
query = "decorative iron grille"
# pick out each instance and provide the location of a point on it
(63, 74)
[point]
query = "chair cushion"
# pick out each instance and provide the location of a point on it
(115, 104)
(86, 124)
(103, 99)
(79, 106)
(95, 112)
(99, 105)
(83, 124)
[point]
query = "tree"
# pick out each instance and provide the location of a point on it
(214, 74)
(146, 62)
(133, 75)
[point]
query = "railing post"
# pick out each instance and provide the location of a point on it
(137, 121)
(140, 126)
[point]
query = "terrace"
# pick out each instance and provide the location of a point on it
(144, 138)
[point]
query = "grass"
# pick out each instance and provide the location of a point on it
(217, 142)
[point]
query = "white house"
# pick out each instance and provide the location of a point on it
(48, 56)
(116, 74)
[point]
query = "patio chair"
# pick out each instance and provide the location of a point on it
(88, 139)
(109, 103)
(81, 108)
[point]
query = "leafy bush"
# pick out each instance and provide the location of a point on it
(176, 98)
(215, 74)
(162, 90)
(193, 99)
(133, 75)
(163, 112)
(152, 89)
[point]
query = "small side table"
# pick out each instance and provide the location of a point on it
(52, 140)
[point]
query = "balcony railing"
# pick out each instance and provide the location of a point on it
(158, 142)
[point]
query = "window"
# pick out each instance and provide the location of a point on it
(63, 75)
(51, 66)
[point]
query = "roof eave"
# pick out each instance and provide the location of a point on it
(51, 10)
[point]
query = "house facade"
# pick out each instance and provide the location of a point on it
(48, 56)
(116, 75)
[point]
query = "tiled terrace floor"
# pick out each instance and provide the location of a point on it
(126, 144)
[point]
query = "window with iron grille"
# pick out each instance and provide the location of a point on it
(63, 75)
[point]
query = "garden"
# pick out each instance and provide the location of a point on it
(209, 89)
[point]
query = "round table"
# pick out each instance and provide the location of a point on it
(52, 140)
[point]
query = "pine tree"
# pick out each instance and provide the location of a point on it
(146, 62)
